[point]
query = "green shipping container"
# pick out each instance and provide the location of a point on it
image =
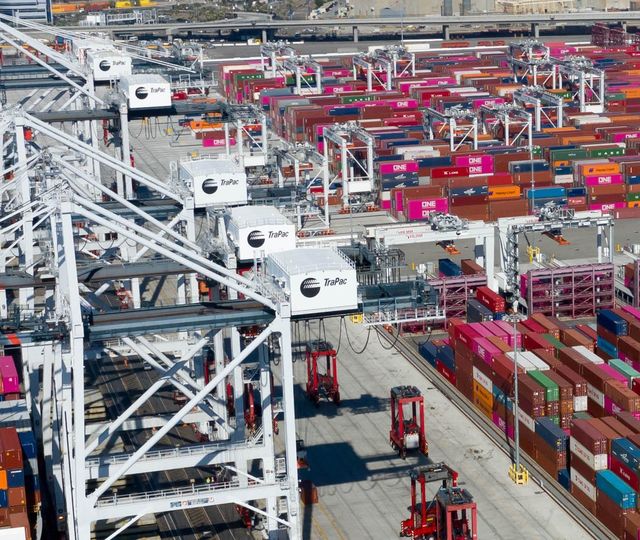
(537, 151)
(567, 154)
(353, 99)
(632, 197)
(555, 342)
(248, 76)
(625, 369)
(616, 96)
(552, 392)
(582, 416)
(606, 152)
(554, 419)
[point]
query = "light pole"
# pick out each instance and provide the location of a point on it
(517, 472)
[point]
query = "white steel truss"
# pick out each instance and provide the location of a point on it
(75, 448)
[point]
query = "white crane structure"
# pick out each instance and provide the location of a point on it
(52, 209)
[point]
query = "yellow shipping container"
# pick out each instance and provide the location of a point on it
(120, 4)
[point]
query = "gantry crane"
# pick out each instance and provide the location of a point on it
(451, 515)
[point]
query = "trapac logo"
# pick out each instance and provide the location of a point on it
(104, 65)
(310, 287)
(211, 185)
(141, 92)
(278, 234)
(256, 239)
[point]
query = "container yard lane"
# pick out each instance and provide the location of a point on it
(363, 485)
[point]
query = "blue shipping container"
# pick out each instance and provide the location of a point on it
(388, 185)
(499, 316)
(564, 479)
(449, 268)
(607, 347)
(546, 193)
(390, 135)
(501, 397)
(15, 478)
(393, 157)
(558, 201)
(429, 352)
(577, 192)
(28, 443)
(478, 312)
(447, 357)
(626, 452)
(612, 322)
(621, 493)
(4, 502)
(405, 142)
(469, 191)
(555, 437)
(563, 170)
(633, 180)
(443, 161)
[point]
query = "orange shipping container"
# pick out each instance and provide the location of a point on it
(559, 130)
(599, 168)
(504, 192)
(631, 92)
(634, 204)
(3, 479)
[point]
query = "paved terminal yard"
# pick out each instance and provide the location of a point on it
(363, 485)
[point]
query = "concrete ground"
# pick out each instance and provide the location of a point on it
(364, 487)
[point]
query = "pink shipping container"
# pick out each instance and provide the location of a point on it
(485, 349)
(613, 373)
(481, 329)
(393, 167)
(509, 329)
(337, 89)
(632, 311)
(603, 179)
(605, 207)
(405, 86)
(9, 375)
(500, 422)
(610, 407)
(385, 205)
(621, 137)
(216, 143)
(418, 209)
(477, 103)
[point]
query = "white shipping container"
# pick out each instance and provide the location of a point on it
(523, 361)
(146, 91)
(589, 355)
(257, 230)
(537, 362)
(483, 380)
(595, 395)
(583, 484)
(316, 280)
(580, 403)
(108, 65)
(215, 181)
(13, 533)
(597, 462)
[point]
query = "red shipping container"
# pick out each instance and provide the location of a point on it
(447, 172)
(10, 449)
(491, 299)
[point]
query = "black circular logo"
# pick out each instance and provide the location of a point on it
(141, 92)
(210, 186)
(310, 287)
(105, 65)
(255, 239)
